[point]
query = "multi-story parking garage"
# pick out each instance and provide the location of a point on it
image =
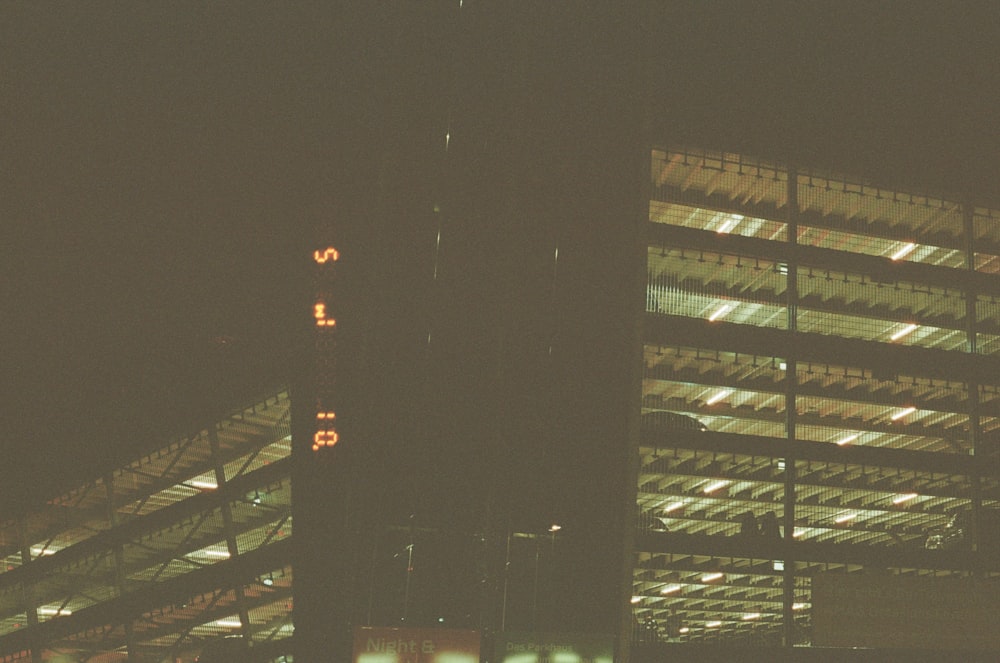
(183, 546)
(829, 349)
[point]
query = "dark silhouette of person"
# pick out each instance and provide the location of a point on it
(769, 526)
(748, 524)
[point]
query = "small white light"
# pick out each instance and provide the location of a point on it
(779, 565)
(554, 527)
(636, 599)
(782, 366)
(905, 249)
(670, 589)
(712, 487)
(902, 413)
(721, 311)
(903, 332)
(718, 397)
(204, 484)
(781, 463)
(683, 629)
(848, 439)
(712, 624)
(799, 606)
(750, 616)
(797, 533)
(673, 507)
(845, 518)
(899, 499)
(228, 623)
(710, 577)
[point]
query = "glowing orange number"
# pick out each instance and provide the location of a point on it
(324, 438)
(319, 312)
(329, 254)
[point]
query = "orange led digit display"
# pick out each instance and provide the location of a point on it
(325, 435)
(329, 253)
(319, 312)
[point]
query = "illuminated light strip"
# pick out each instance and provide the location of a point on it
(329, 254)
(902, 413)
(903, 332)
(54, 611)
(840, 520)
(684, 629)
(729, 224)
(673, 507)
(721, 311)
(848, 439)
(228, 623)
(636, 599)
(718, 397)
(712, 487)
(903, 251)
(709, 577)
(206, 485)
(750, 616)
(715, 624)
(670, 589)
(899, 499)
(799, 606)
(220, 554)
(326, 415)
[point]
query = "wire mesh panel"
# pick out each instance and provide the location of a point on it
(836, 213)
(728, 179)
(850, 405)
(702, 598)
(986, 235)
(715, 286)
(855, 305)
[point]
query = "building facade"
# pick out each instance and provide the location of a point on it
(162, 557)
(823, 357)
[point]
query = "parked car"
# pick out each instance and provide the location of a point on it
(957, 534)
(661, 420)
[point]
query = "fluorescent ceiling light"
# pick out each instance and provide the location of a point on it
(906, 248)
(844, 518)
(712, 487)
(673, 507)
(751, 615)
(779, 565)
(799, 606)
(203, 483)
(848, 439)
(684, 629)
(721, 311)
(54, 611)
(43, 551)
(903, 332)
(903, 413)
(718, 397)
(899, 499)
(710, 577)
(670, 589)
(229, 623)
(712, 624)
(216, 553)
(729, 223)
(636, 599)
(797, 533)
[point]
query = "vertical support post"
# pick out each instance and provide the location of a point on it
(975, 432)
(119, 558)
(791, 389)
(28, 596)
(230, 531)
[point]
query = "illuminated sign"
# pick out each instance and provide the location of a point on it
(374, 644)
(545, 647)
(325, 433)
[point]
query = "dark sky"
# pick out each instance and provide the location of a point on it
(157, 161)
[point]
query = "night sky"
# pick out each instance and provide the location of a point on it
(159, 162)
